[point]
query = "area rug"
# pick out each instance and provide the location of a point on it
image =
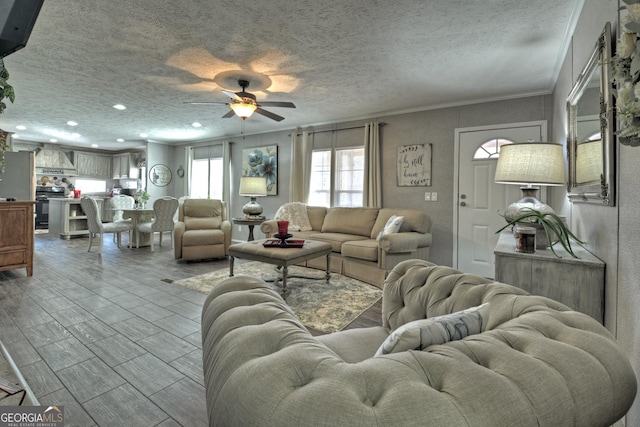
(321, 306)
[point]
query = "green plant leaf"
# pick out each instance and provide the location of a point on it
(552, 224)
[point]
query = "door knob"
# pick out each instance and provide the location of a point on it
(463, 196)
(463, 203)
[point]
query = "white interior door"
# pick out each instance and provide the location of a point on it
(479, 199)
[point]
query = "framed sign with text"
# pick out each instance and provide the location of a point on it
(414, 165)
(160, 175)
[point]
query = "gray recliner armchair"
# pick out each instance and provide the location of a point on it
(202, 231)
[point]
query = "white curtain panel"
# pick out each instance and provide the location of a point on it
(372, 173)
(226, 175)
(301, 150)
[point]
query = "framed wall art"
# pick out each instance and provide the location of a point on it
(262, 161)
(160, 175)
(414, 165)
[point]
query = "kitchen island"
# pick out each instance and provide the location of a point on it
(67, 218)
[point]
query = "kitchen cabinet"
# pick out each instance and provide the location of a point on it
(16, 236)
(125, 166)
(575, 282)
(67, 219)
(93, 165)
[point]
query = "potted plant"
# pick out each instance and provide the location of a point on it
(6, 91)
(141, 199)
(554, 228)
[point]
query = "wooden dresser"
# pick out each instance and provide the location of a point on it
(16, 236)
(577, 283)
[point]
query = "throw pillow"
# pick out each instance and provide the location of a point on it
(420, 334)
(392, 226)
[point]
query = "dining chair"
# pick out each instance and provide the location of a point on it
(116, 204)
(119, 202)
(95, 225)
(163, 212)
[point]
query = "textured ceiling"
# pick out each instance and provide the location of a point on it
(336, 60)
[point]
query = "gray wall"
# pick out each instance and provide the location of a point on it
(612, 233)
(160, 154)
(435, 127)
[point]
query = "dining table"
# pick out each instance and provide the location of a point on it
(138, 216)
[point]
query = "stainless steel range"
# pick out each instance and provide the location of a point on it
(43, 194)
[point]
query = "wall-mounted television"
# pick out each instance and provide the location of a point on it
(17, 18)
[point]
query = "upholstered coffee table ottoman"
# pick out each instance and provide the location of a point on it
(280, 257)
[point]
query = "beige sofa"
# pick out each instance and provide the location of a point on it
(533, 363)
(202, 230)
(352, 234)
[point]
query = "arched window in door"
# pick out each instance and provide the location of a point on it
(490, 149)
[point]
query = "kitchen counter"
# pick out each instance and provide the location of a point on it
(67, 218)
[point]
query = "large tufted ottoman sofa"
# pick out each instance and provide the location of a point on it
(535, 362)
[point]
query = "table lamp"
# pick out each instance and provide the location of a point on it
(530, 164)
(252, 186)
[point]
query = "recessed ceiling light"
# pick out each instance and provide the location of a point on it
(143, 135)
(196, 124)
(94, 145)
(53, 140)
(72, 123)
(21, 127)
(119, 107)
(120, 140)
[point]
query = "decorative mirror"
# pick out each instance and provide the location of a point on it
(160, 175)
(590, 145)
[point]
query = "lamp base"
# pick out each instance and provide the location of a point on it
(524, 205)
(252, 208)
(528, 202)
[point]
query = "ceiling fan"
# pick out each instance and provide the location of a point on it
(244, 104)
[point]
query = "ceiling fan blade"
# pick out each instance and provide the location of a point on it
(231, 113)
(232, 95)
(269, 114)
(277, 104)
(207, 103)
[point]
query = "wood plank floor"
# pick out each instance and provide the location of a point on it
(106, 337)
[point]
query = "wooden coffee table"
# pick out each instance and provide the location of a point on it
(280, 257)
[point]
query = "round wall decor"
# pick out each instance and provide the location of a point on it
(160, 175)
(180, 172)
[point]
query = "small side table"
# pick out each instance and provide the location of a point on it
(251, 223)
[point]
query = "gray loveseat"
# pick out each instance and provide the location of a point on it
(352, 234)
(534, 363)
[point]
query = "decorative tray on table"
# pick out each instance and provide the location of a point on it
(283, 242)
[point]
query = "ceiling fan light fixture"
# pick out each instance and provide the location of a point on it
(243, 110)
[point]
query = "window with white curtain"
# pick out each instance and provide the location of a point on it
(338, 183)
(207, 173)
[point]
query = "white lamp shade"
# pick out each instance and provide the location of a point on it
(253, 186)
(535, 163)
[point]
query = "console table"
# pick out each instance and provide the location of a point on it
(577, 283)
